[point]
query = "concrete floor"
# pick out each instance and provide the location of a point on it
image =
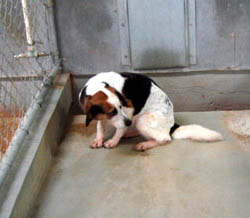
(183, 179)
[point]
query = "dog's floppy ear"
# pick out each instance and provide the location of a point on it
(89, 118)
(84, 101)
(92, 105)
(93, 111)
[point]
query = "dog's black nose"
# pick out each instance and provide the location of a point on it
(128, 122)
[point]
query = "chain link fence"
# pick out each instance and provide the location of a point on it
(27, 56)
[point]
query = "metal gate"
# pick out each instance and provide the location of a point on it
(28, 58)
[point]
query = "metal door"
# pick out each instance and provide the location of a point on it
(158, 33)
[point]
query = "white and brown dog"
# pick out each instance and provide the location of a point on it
(124, 99)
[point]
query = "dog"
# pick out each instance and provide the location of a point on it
(125, 99)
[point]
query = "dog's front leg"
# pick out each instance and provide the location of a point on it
(98, 142)
(111, 143)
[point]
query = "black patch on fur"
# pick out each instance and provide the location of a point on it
(167, 101)
(106, 84)
(82, 95)
(136, 88)
(173, 128)
(121, 98)
(96, 109)
(113, 113)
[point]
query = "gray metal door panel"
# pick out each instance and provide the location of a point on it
(157, 33)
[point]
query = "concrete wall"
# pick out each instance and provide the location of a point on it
(197, 91)
(89, 38)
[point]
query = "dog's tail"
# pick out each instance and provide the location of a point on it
(195, 132)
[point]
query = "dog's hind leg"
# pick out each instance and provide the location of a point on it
(155, 128)
(148, 145)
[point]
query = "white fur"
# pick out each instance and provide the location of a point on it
(154, 126)
(96, 84)
(118, 121)
(115, 80)
(157, 106)
(196, 132)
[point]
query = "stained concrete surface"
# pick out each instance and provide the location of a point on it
(182, 179)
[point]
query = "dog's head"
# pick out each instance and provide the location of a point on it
(107, 104)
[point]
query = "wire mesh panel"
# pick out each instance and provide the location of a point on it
(26, 59)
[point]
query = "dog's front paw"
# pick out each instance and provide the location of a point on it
(110, 143)
(97, 143)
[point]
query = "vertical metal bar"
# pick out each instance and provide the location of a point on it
(186, 32)
(192, 31)
(27, 27)
(53, 33)
(124, 32)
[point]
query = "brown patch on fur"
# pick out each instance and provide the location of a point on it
(102, 117)
(128, 103)
(113, 90)
(98, 99)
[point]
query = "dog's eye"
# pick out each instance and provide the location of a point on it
(113, 112)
